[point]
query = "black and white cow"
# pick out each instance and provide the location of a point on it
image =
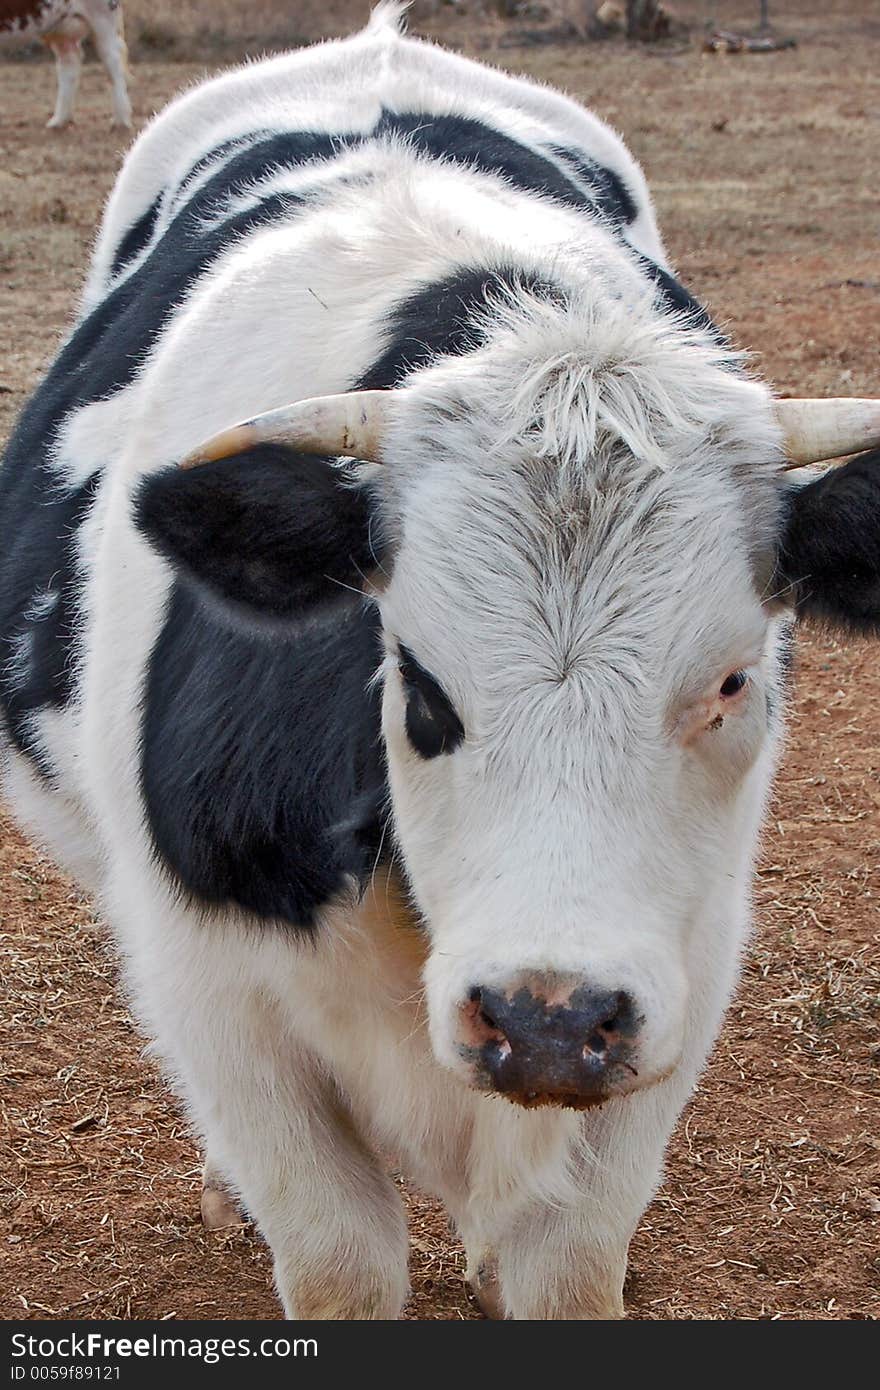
(62, 25)
(416, 741)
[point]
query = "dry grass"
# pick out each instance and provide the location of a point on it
(192, 30)
(183, 28)
(188, 30)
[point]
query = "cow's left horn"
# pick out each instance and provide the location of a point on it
(352, 424)
(827, 429)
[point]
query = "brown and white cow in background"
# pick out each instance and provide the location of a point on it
(62, 25)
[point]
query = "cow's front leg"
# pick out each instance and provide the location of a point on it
(484, 1282)
(561, 1264)
(324, 1204)
(278, 1131)
(219, 1207)
(67, 49)
(551, 1262)
(563, 1255)
(336, 1225)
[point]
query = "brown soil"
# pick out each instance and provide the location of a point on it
(765, 171)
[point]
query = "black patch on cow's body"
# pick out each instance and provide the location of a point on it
(445, 318)
(39, 597)
(136, 239)
(261, 759)
(432, 725)
(829, 556)
(455, 139)
(672, 297)
(270, 531)
(140, 233)
(476, 145)
(608, 191)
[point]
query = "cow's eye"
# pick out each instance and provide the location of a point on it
(733, 684)
(432, 724)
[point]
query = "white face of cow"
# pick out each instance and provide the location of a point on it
(579, 669)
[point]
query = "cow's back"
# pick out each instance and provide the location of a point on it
(342, 88)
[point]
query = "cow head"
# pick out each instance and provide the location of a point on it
(584, 559)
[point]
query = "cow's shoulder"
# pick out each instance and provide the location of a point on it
(261, 768)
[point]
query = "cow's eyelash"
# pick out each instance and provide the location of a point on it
(733, 684)
(412, 671)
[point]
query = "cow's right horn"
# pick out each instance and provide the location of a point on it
(816, 430)
(352, 424)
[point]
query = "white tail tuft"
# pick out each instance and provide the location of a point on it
(388, 16)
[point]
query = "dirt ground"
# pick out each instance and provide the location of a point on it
(765, 173)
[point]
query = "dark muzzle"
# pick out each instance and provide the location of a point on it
(573, 1052)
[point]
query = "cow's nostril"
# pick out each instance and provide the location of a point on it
(609, 1031)
(494, 1033)
(482, 1026)
(485, 1017)
(605, 1036)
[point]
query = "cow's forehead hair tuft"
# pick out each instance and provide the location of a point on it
(586, 395)
(572, 376)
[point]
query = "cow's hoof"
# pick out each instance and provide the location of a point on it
(55, 124)
(219, 1210)
(486, 1290)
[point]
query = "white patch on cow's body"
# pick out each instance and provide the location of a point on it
(90, 438)
(54, 820)
(44, 602)
(19, 661)
(577, 508)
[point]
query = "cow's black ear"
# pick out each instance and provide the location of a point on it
(269, 531)
(829, 554)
